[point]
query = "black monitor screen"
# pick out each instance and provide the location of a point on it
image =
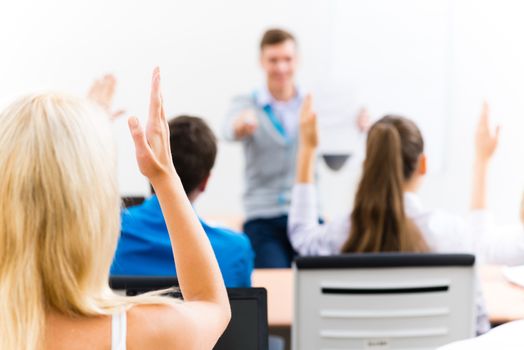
(243, 330)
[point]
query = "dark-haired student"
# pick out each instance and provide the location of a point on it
(144, 247)
(387, 213)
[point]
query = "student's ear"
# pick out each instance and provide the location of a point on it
(203, 185)
(422, 164)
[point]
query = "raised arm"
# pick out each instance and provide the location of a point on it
(496, 246)
(102, 92)
(308, 142)
(306, 235)
(206, 303)
(486, 142)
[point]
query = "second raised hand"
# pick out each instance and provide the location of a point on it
(485, 140)
(308, 124)
(102, 92)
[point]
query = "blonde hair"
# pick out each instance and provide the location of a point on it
(59, 215)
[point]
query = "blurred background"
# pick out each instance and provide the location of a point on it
(433, 61)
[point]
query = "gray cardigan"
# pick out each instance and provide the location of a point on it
(270, 162)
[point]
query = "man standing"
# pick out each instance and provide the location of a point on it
(266, 123)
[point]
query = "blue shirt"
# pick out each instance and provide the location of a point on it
(144, 247)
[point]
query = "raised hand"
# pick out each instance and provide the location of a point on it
(363, 121)
(486, 140)
(153, 152)
(245, 125)
(102, 92)
(308, 124)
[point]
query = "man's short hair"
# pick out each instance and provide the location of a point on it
(275, 36)
(193, 149)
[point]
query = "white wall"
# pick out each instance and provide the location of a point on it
(433, 60)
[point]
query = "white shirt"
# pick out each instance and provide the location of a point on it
(506, 337)
(444, 233)
(503, 245)
(286, 111)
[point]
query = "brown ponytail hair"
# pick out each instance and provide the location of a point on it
(378, 220)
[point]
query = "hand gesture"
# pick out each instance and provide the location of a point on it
(485, 140)
(245, 125)
(153, 152)
(363, 120)
(102, 92)
(308, 124)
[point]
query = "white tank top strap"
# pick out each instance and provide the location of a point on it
(119, 330)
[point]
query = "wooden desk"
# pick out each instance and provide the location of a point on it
(279, 285)
(504, 301)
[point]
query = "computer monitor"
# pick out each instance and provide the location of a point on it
(248, 328)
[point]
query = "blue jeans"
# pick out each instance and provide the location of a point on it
(270, 242)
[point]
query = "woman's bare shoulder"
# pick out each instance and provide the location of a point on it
(162, 326)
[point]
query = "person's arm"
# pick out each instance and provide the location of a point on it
(363, 120)
(308, 143)
(485, 145)
(306, 235)
(102, 92)
(206, 308)
(491, 246)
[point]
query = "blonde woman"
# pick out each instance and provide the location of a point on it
(59, 226)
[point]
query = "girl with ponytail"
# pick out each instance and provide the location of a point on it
(387, 215)
(378, 221)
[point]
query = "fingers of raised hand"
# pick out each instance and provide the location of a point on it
(156, 111)
(102, 92)
(117, 114)
(108, 88)
(142, 147)
(484, 115)
(307, 107)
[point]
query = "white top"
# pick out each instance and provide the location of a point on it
(507, 337)
(503, 245)
(119, 331)
(444, 233)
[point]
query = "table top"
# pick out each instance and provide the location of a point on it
(279, 285)
(504, 301)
